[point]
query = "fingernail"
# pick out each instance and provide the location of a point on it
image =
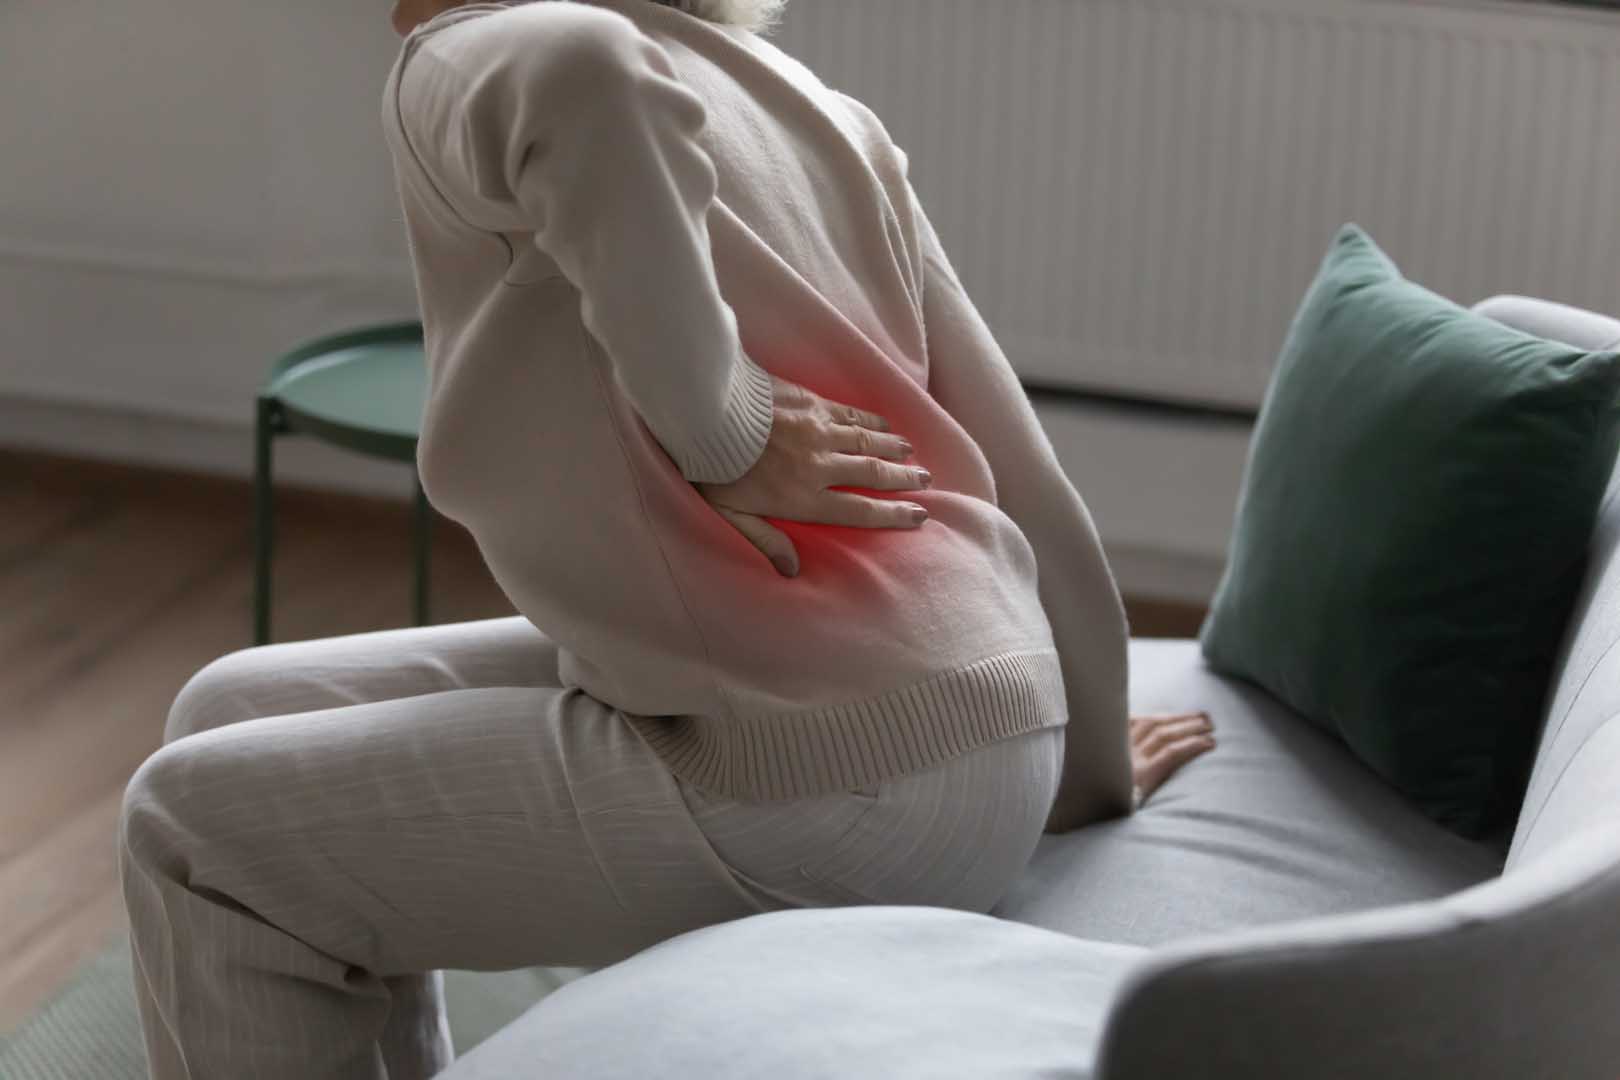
(785, 566)
(908, 448)
(924, 477)
(919, 513)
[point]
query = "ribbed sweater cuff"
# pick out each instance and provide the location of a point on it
(841, 747)
(728, 452)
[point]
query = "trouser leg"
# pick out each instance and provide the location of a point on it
(277, 873)
(300, 676)
(378, 665)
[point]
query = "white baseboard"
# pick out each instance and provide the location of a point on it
(182, 443)
(1175, 576)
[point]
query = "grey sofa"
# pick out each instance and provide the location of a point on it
(1274, 911)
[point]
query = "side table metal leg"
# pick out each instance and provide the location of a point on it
(263, 519)
(423, 529)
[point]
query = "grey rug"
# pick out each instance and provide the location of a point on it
(90, 1029)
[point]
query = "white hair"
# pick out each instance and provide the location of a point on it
(760, 16)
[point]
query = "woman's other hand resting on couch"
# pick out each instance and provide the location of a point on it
(1161, 743)
(814, 444)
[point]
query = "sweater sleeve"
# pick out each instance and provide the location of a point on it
(567, 120)
(973, 381)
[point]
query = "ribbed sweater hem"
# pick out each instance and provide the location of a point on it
(836, 748)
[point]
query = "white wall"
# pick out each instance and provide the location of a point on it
(188, 188)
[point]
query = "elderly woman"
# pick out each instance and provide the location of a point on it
(810, 614)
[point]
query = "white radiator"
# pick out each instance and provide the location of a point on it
(1137, 192)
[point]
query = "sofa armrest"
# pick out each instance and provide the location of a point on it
(898, 992)
(1511, 979)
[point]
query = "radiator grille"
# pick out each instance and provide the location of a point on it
(1137, 192)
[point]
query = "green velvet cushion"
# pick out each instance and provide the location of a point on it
(1412, 529)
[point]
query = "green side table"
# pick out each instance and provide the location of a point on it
(362, 389)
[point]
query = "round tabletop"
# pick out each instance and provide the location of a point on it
(366, 396)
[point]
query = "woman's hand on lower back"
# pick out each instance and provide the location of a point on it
(1161, 743)
(814, 445)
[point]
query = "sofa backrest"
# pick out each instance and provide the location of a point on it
(1575, 782)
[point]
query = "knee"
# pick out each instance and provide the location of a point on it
(216, 695)
(152, 804)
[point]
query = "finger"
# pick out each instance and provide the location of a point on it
(1167, 761)
(1154, 739)
(770, 540)
(859, 511)
(852, 439)
(848, 470)
(1150, 732)
(1178, 753)
(1155, 719)
(1148, 721)
(849, 414)
(1161, 766)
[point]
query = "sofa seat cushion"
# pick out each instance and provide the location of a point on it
(824, 994)
(1280, 821)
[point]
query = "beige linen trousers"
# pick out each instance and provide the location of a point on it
(329, 823)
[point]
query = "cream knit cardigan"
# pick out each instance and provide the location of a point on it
(623, 221)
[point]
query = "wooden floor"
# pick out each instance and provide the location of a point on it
(116, 584)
